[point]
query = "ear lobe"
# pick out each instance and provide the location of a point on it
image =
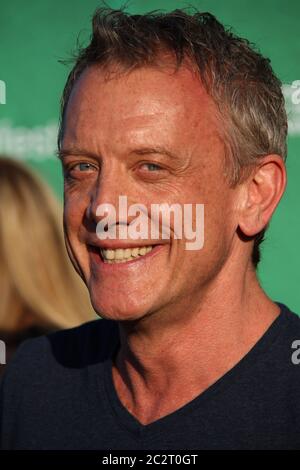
(262, 193)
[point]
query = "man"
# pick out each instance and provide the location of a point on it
(191, 353)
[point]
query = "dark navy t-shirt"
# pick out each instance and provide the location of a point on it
(58, 393)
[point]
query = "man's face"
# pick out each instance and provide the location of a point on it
(151, 135)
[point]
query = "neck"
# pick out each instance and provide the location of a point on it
(168, 358)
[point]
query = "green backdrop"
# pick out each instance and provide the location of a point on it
(35, 34)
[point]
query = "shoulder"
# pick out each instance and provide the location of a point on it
(47, 373)
(281, 360)
(72, 349)
(290, 320)
(291, 334)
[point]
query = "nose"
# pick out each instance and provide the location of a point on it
(110, 198)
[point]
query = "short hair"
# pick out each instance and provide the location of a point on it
(238, 78)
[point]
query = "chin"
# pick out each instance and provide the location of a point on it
(122, 310)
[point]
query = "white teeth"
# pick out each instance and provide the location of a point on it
(110, 254)
(135, 252)
(127, 253)
(121, 255)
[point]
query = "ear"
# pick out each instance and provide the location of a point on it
(261, 193)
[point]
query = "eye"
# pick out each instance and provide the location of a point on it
(79, 170)
(83, 166)
(151, 166)
(150, 171)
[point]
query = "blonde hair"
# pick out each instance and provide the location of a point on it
(36, 275)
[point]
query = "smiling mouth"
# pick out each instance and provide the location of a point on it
(124, 255)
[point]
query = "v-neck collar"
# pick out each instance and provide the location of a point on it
(127, 420)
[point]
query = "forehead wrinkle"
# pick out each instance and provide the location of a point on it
(147, 88)
(157, 114)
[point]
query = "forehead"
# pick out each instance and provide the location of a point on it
(144, 101)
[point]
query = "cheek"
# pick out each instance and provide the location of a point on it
(218, 231)
(74, 210)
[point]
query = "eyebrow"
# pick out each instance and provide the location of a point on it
(76, 151)
(155, 150)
